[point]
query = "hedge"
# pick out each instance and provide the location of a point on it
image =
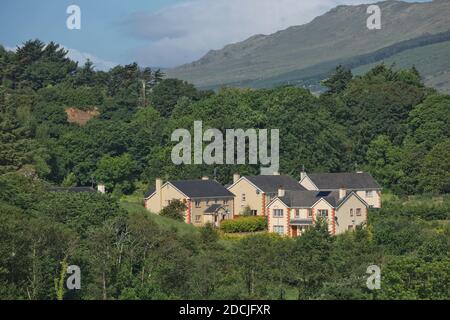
(244, 224)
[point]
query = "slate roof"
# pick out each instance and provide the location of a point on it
(213, 208)
(309, 198)
(202, 188)
(347, 180)
(150, 191)
(72, 189)
(271, 183)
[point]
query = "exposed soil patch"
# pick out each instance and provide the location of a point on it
(80, 117)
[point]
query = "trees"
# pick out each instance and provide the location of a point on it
(339, 80)
(116, 172)
(175, 210)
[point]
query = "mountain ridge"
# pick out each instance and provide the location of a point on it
(340, 33)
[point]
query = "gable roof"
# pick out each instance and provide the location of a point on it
(347, 180)
(201, 188)
(307, 199)
(271, 183)
(149, 192)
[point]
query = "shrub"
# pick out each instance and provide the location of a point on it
(175, 210)
(244, 224)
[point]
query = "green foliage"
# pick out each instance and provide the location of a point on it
(244, 224)
(116, 172)
(175, 210)
(386, 122)
(339, 80)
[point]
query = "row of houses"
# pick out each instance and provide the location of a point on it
(290, 205)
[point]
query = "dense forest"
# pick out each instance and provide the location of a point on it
(385, 122)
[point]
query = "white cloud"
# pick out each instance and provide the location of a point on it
(184, 32)
(82, 57)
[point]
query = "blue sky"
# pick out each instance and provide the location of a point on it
(162, 33)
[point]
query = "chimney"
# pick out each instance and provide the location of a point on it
(281, 192)
(342, 193)
(302, 175)
(205, 178)
(101, 188)
(158, 185)
(236, 177)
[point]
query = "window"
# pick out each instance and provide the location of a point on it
(278, 213)
(225, 202)
(358, 212)
(198, 218)
(370, 193)
(351, 212)
(310, 213)
(197, 204)
(297, 213)
(322, 213)
(243, 197)
(254, 212)
(278, 229)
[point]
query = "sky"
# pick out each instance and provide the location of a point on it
(155, 33)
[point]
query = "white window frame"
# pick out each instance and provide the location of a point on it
(319, 213)
(276, 213)
(278, 229)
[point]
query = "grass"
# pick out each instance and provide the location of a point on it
(165, 223)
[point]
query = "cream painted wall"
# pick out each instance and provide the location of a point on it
(374, 201)
(252, 199)
(308, 184)
(344, 220)
(324, 205)
(274, 221)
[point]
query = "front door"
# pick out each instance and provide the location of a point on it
(294, 231)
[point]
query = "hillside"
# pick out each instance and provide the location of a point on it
(340, 34)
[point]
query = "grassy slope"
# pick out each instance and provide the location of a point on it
(166, 223)
(432, 61)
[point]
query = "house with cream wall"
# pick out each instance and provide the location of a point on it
(292, 212)
(256, 192)
(207, 201)
(362, 183)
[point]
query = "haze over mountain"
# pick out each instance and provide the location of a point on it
(305, 54)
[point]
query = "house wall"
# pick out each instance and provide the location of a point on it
(323, 205)
(203, 204)
(308, 184)
(275, 221)
(161, 199)
(252, 198)
(344, 220)
(374, 201)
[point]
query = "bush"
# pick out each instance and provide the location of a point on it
(244, 224)
(175, 210)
